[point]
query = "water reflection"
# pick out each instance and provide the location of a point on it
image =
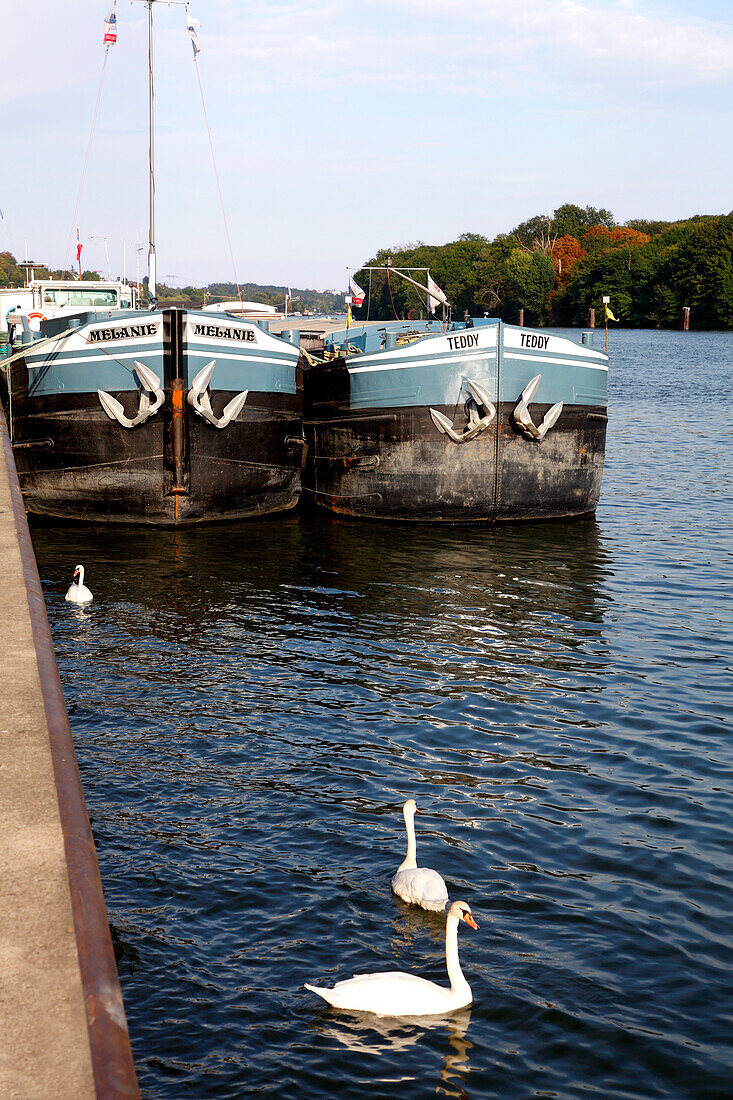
(456, 1065)
(413, 925)
(446, 609)
(367, 1034)
(324, 560)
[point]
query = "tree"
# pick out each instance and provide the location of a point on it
(650, 228)
(574, 221)
(623, 234)
(13, 275)
(532, 276)
(529, 232)
(567, 252)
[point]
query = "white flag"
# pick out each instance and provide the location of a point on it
(192, 24)
(357, 294)
(110, 28)
(436, 297)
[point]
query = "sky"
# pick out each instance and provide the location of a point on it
(340, 127)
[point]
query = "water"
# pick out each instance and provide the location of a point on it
(251, 705)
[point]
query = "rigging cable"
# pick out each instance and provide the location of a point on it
(390, 296)
(420, 298)
(216, 172)
(86, 162)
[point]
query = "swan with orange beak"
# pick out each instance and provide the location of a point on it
(398, 994)
(78, 591)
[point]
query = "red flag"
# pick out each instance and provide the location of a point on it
(357, 294)
(78, 252)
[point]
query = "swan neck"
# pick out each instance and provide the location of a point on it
(410, 860)
(81, 576)
(455, 975)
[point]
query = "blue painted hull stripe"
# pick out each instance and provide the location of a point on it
(434, 385)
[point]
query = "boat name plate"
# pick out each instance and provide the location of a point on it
(97, 335)
(465, 340)
(246, 334)
(532, 340)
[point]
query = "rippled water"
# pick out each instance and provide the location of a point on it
(251, 705)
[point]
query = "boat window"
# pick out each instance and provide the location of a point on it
(78, 296)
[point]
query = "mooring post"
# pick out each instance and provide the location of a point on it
(521, 318)
(591, 318)
(685, 318)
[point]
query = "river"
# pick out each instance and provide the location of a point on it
(251, 705)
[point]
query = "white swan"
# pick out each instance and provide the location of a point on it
(417, 885)
(79, 593)
(398, 994)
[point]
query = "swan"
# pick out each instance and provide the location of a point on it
(398, 994)
(79, 593)
(417, 885)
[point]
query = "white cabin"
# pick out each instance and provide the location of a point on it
(45, 298)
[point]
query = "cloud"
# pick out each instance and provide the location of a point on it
(446, 51)
(468, 48)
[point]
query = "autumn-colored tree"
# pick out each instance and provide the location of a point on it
(624, 235)
(567, 252)
(596, 233)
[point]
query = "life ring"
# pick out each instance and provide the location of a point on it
(36, 316)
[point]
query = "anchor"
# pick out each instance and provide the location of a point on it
(150, 384)
(478, 397)
(198, 398)
(522, 415)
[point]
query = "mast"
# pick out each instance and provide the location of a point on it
(151, 240)
(152, 298)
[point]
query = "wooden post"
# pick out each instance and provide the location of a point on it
(521, 318)
(685, 318)
(592, 318)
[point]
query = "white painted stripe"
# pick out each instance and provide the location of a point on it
(93, 360)
(557, 362)
(471, 357)
(246, 358)
(436, 360)
(88, 360)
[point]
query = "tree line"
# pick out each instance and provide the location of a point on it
(558, 267)
(554, 267)
(192, 297)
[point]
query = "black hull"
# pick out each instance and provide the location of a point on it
(392, 464)
(75, 463)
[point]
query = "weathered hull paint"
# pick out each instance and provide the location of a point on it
(374, 451)
(75, 463)
(392, 464)
(97, 472)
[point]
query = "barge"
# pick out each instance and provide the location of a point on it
(455, 422)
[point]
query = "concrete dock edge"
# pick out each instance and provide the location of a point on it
(112, 1064)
